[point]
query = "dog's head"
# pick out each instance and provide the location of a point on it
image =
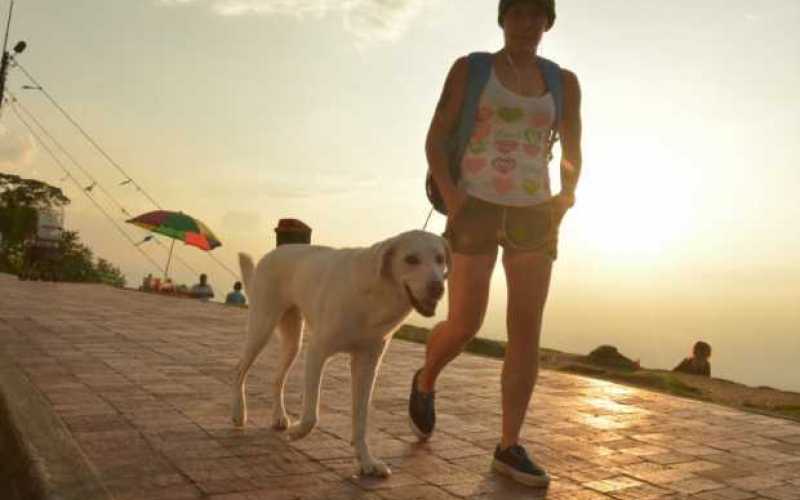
(418, 262)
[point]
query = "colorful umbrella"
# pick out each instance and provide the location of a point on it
(178, 226)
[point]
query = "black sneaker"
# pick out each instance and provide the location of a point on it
(514, 463)
(421, 412)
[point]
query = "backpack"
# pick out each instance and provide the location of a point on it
(480, 68)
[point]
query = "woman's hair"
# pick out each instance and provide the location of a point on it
(549, 7)
(702, 350)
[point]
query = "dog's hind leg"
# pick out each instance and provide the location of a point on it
(291, 332)
(260, 326)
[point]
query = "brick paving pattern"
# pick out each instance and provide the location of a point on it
(143, 384)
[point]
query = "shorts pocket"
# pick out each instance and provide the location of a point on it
(556, 214)
(468, 205)
(529, 227)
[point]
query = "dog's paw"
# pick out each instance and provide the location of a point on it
(239, 418)
(281, 423)
(299, 430)
(375, 468)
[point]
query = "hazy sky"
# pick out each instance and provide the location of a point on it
(244, 111)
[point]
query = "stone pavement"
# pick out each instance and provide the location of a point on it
(141, 385)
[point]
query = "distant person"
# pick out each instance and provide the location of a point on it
(202, 290)
(236, 297)
(168, 286)
(147, 282)
(698, 364)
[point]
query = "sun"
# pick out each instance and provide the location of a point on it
(634, 211)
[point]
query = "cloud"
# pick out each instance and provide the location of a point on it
(368, 20)
(16, 150)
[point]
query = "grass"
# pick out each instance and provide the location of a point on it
(721, 392)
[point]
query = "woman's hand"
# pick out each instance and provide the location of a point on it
(562, 202)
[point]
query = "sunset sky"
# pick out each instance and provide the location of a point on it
(241, 112)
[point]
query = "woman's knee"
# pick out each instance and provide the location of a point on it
(464, 329)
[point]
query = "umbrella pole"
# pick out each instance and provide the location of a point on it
(169, 259)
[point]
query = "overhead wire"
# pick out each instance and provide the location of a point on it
(92, 179)
(128, 178)
(13, 102)
(83, 132)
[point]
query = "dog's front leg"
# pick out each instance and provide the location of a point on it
(364, 369)
(315, 363)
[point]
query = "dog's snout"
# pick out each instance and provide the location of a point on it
(435, 289)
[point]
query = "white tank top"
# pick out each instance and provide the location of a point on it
(506, 159)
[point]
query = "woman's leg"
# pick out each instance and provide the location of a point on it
(528, 279)
(468, 295)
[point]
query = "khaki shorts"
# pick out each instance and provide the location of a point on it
(479, 227)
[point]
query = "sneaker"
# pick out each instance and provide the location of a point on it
(514, 463)
(421, 412)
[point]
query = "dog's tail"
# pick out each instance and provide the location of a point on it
(247, 267)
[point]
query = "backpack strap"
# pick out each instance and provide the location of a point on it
(551, 72)
(479, 71)
(554, 81)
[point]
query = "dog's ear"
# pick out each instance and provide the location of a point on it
(376, 263)
(384, 261)
(448, 257)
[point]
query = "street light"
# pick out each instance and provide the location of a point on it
(7, 57)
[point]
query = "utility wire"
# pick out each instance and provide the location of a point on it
(215, 259)
(55, 158)
(71, 158)
(92, 179)
(128, 178)
(86, 134)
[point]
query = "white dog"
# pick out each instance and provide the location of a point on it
(352, 300)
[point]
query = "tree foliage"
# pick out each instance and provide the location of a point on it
(21, 200)
(16, 191)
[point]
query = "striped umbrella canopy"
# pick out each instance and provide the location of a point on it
(179, 226)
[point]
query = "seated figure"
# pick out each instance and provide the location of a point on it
(698, 364)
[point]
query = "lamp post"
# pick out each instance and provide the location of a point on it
(7, 57)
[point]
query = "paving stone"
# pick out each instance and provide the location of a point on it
(142, 383)
(612, 484)
(786, 492)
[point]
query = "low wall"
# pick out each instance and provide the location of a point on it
(39, 459)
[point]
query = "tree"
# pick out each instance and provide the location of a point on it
(18, 192)
(109, 273)
(21, 200)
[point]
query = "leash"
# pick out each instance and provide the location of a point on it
(427, 220)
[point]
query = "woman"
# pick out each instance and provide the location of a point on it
(503, 199)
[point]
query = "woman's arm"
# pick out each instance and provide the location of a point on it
(445, 120)
(570, 132)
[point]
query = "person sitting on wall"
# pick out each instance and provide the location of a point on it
(167, 286)
(698, 364)
(202, 290)
(236, 297)
(147, 283)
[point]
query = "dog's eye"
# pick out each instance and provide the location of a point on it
(412, 260)
(440, 259)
